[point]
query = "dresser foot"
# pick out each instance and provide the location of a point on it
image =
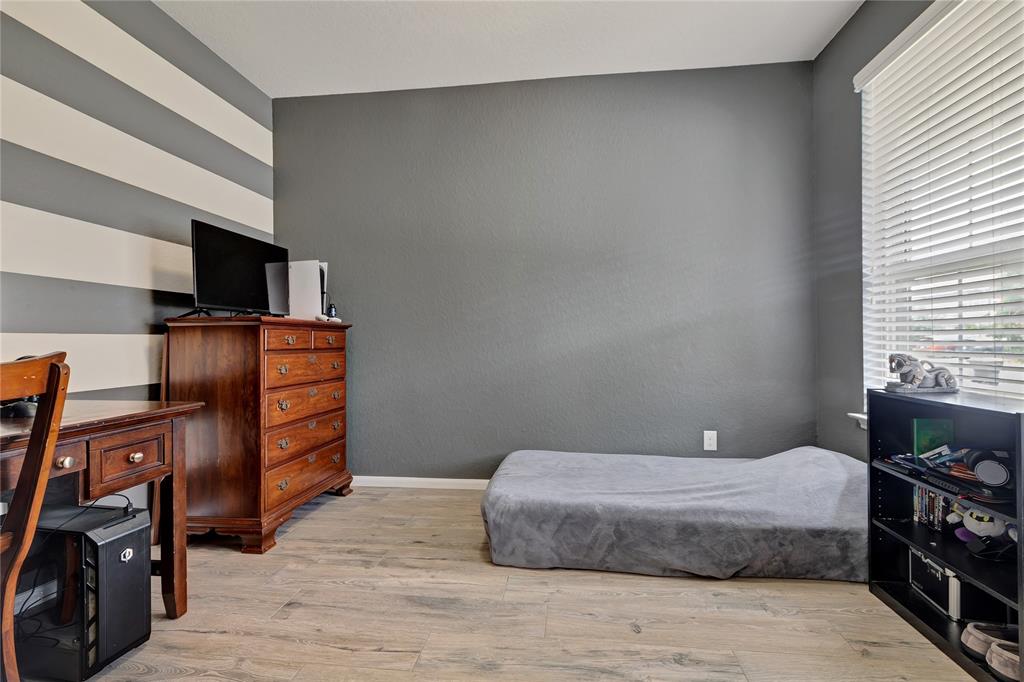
(342, 490)
(259, 543)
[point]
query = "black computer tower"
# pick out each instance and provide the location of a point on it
(84, 592)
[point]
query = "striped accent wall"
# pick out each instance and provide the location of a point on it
(117, 128)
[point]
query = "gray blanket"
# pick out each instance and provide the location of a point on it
(798, 514)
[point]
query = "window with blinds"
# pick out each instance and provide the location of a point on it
(943, 193)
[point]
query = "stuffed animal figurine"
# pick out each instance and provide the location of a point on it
(975, 524)
(984, 526)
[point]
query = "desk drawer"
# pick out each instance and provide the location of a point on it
(290, 404)
(329, 339)
(129, 458)
(68, 458)
(298, 476)
(287, 339)
(286, 442)
(289, 369)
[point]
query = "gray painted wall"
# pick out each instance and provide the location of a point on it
(608, 263)
(837, 217)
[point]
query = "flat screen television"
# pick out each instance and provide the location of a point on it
(233, 272)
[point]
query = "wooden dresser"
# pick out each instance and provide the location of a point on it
(272, 435)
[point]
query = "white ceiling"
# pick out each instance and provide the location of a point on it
(300, 47)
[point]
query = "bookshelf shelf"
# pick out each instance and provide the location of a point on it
(1005, 512)
(990, 591)
(990, 577)
(940, 631)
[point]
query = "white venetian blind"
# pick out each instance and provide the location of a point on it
(943, 193)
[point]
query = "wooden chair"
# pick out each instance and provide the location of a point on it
(47, 377)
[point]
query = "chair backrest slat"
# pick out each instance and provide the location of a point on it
(45, 376)
(26, 378)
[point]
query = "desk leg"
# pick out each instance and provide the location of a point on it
(173, 563)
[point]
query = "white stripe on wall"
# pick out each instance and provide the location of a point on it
(96, 360)
(45, 125)
(88, 34)
(89, 252)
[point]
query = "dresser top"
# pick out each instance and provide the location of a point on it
(262, 320)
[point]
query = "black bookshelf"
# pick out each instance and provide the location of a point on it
(989, 590)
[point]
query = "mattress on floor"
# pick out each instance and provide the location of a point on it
(798, 514)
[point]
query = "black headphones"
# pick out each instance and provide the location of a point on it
(991, 467)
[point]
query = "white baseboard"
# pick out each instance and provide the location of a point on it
(406, 482)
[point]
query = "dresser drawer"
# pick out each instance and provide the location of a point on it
(287, 339)
(128, 458)
(288, 369)
(299, 475)
(286, 442)
(329, 339)
(288, 405)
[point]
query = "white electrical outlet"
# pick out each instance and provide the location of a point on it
(711, 440)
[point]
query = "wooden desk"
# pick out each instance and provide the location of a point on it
(114, 445)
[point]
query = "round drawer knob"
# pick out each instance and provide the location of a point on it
(311, 425)
(336, 395)
(283, 484)
(336, 457)
(336, 364)
(290, 340)
(312, 392)
(330, 340)
(136, 457)
(336, 424)
(283, 443)
(65, 462)
(282, 369)
(311, 458)
(283, 405)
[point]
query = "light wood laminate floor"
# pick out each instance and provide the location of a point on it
(395, 584)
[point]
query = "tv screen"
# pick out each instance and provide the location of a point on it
(233, 272)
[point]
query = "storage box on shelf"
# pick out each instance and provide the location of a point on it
(988, 591)
(272, 435)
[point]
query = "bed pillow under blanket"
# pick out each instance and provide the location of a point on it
(798, 514)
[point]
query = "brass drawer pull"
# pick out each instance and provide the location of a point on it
(136, 457)
(336, 457)
(311, 459)
(283, 443)
(311, 425)
(290, 339)
(65, 462)
(336, 364)
(336, 395)
(283, 484)
(336, 424)
(330, 340)
(312, 392)
(282, 369)
(283, 405)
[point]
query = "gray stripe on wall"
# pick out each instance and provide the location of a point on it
(143, 392)
(46, 67)
(34, 304)
(48, 184)
(148, 24)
